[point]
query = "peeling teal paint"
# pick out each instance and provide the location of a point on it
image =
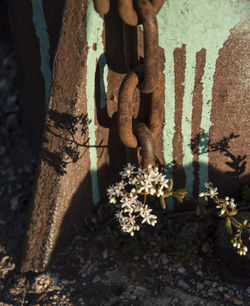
(42, 34)
(187, 111)
(196, 24)
(94, 36)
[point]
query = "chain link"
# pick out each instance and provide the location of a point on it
(102, 6)
(147, 76)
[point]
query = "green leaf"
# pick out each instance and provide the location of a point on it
(228, 225)
(179, 194)
(233, 213)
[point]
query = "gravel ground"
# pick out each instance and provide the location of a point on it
(173, 264)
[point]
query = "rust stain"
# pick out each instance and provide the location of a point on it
(179, 70)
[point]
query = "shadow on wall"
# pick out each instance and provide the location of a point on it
(61, 124)
(236, 163)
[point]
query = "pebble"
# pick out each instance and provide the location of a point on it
(96, 279)
(248, 290)
(183, 284)
(14, 203)
(105, 253)
(181, 270)
(11, 121)
(11, 104)
(227, 296)
(199, 286)
(2, 150)
(5, 86)
(221, 289)
(164, 259)
(200, 273)
(139, 291)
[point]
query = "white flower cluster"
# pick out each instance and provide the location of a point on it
(237, 243)
(228, 209)
(136, 183)
(227, 206)
(211, 192)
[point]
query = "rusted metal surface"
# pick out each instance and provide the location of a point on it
(157, 4)
(63, 179)
(145, 77)
(102, 6)
(127, 12)
(129, 15)
(63, 191)
(130, 47)
(145, 138)
(228, 150)
(156, 114)
(125, 107)
(130, 130)
(148, 18)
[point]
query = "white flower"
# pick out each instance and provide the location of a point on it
(112, 200)
(212, 192)
(153, 221)
(119, 187)
(208, 185)
(128, 171)
(110, 191)
(222, 212)
(159, 192)
(150, 219)
(145, 186)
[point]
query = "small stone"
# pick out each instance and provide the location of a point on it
(2, 150)
(227, 296)
(164, 259)
(96, 279)
(11, 121)
(181, 270)
(195, 267)
(183, 284)
(248, 290)
(199, 273)
(139, 291)
(199, 286)
(5, 86)
(221, 289)
(11, 100)
(214, 284)
(14, 203)
(10, 105)
(105, 253)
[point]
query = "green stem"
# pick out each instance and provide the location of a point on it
(235, 222)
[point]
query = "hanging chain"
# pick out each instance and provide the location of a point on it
(146, 76)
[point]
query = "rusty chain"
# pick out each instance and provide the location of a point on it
(147, 76)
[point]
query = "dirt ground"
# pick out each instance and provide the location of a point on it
(173, 264)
